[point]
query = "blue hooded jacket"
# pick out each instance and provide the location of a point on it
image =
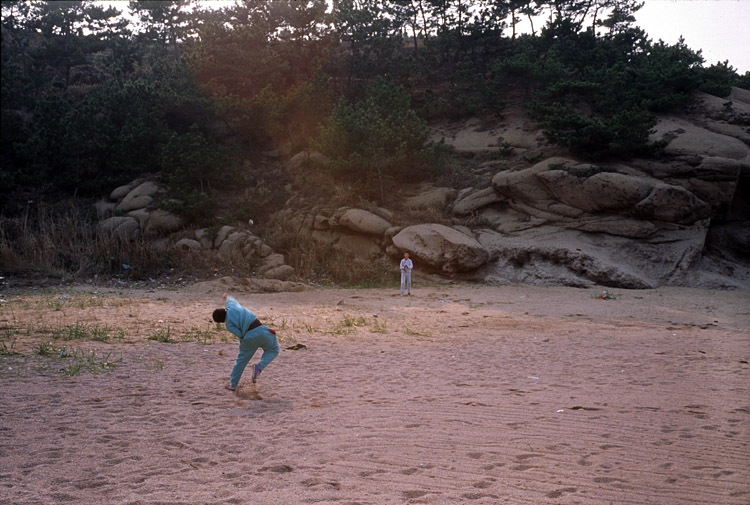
(238, 318)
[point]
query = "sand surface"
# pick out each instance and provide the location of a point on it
(457, 394)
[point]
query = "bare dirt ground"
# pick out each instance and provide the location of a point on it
(457, 394)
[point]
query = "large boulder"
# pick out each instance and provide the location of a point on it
(601, 192)
(442, 248)
(139, 197)
(359, 221)
(123, 227)
(474, 200)
(564, 191)
(554, 255)
(685, 138)
(121, 192)
(161, 222)
(232, 243)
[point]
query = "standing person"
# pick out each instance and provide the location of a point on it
(252, 334)
(406, 267)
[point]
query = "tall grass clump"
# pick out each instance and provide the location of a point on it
(63, 241)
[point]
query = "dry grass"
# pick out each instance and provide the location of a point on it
(63, 242)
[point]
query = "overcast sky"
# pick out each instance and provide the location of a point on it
(721, 28)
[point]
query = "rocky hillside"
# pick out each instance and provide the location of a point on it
(534, 214)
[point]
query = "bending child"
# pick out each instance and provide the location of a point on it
(242, 323)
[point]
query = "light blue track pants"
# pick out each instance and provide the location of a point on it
(405, 281)
(258, 337)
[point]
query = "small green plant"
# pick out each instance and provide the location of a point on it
(204, 337)
(506, 149)
(348, 325)
(88, 362)
(86, 301)
(380, 327)
(53, 303)
(82, 331)
(533, 158)
(163, 335)
(309, 328)
(104, 333)
(72, 369)
(78, 331)
(6, 350)
(46, 349)
(410, 331)
(271, 322)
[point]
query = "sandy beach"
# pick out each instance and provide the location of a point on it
(456, 394)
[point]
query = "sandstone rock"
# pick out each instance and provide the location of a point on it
(161, 222)
(740, 95)
(141, 215)
(359, 221)
(442, 248)
(188, 244)
(430, 197)
(553, 255)
(222, 234)
(601, 192)
(204, 238)
(124, 227)
(282, 273)
(686, 139)
(271, 262)
(716, 182)
(474, 201)
(731, 240)
(619, 226)
(121, 192)
(307, 158)
(139, 197)
(234, 242)
(523, 185)
(673, 205)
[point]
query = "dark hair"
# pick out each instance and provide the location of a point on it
(220, 315)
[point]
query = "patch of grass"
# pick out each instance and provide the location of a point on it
(204, 337)
(533, 158)
(163, 335)
(348, 324)
(89, 362)
(8, 341)
(506, 149)
(380, 327)
(47, 349)
(309, 328)
(6, 350)
(82, 331)
(410, 331)
(271, 322)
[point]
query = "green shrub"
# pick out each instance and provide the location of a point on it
(377, 137)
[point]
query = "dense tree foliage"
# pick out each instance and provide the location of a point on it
(92, 98)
